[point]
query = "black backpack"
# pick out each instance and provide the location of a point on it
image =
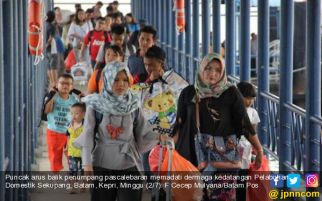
(48, 96)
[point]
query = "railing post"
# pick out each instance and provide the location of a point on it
(2, 107)
(286, 77)
(132, 7)
(138, 9)
(159, 17)
(169, 33)
(16, 69)
(181, 67)
(263, 64)
(230, 50)
(216, 29)
(205, 27)
(313, 84)
(174, 42)
(146, 16)
(244, 40)
(188, 41)
(25, 85)
(196, 41)
(153, 13)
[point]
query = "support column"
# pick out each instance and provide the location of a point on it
(263, 65)
(174, 41)
(244, 40)
(2, 107)
(196, 41)
(286, 89)
(188, 42)
(313, 84)
(216, 29)
(230, 49)
(205, 27)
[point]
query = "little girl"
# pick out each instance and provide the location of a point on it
(95, 83)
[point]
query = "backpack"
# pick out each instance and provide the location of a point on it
(48, 96)
(98, 121)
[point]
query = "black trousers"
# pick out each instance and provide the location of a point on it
(116, 191)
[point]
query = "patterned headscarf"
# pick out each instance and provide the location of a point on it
(107, 102)
(205, 90)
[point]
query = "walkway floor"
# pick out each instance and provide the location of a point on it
(43, 165)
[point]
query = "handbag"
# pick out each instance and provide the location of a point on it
(216, 148)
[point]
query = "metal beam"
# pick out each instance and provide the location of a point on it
(263, 65)
(205, 27)
(174, 41)
(188, 41)
(216, 29)
(2, 107)
(313, 84)
(230, 49)
(286, 77)
(244, 40)
(195, 30)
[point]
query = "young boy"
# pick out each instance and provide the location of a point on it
(154, 61)
(58, 115)
(95, 39)
(249, 93)
(74, 130)
(147, 38)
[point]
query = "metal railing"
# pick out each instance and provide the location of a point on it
(22, 87)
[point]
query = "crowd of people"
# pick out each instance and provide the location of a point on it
(134, 101)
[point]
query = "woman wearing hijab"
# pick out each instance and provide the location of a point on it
(122, 136)
(221, 113)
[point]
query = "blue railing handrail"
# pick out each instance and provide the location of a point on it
(270, 96)
(317, 120)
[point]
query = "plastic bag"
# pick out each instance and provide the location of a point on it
(159, 101)
(260, 193)
(70, 60)
(154, 157)
(185, 189)
(59, 45)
